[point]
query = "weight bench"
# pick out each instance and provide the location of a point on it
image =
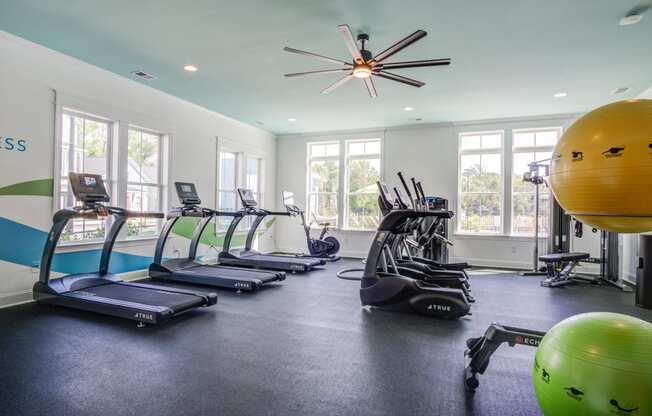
(560, 266)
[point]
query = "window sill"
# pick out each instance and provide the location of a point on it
(125, 242)
(349, 231)
(498, 237)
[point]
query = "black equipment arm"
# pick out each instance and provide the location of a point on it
(479, 350)
(407, 188)
(416, 191)
(399, 199)
(423, 195)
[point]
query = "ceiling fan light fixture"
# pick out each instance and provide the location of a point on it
(631, 19)
(362, 71)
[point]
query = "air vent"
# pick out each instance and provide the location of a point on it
(143, 75)
(620, 90)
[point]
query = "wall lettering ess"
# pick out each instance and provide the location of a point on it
(12, 144)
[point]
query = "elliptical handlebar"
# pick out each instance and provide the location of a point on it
(407, 189)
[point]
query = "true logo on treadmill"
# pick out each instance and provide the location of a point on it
(433, 307)
(144, 316)
(242, 285)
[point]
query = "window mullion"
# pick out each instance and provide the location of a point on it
(341, 190)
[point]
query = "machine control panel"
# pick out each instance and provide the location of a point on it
(88, 188)
(187, 193)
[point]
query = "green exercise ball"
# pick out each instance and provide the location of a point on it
(595, 364)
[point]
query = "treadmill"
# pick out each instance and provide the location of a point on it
(248, 257)
(187, 270)
(101, 291)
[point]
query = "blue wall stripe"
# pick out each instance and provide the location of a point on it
(23, 245)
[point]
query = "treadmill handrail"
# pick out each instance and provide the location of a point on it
(63, 216)
(199, 212)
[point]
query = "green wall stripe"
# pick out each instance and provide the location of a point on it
(40, 187)
(186, 226)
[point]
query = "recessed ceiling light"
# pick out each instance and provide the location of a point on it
(418, 119)
(292, 120)
(260, 122)
(631, 20)
(190, 68)
(561, 94)
(620, 90)
(408, 108)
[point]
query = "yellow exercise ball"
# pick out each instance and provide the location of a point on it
(601, 169)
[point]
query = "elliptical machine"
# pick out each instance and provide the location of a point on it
(383, 289)
(413, 266)
(324, 247)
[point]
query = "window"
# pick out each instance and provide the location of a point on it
(144, 180)
(85, 147)
(131, 162)
(323, 181)
(346, 198)
(227, 184)
(253, 178)
(530, 146)
(362, 173)
(480, 183)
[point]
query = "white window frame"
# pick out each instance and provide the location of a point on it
(343, 158)
(112, 128)
(162, 184)
(529, 149)
(338, 194)
(120, 121)
(242, 154)
(345, 192)
(494, 150)
(236, 174)
(260, 194)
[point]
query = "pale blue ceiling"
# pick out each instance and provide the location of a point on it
(509, 56)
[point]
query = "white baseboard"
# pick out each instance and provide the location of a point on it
(8, 300)
(630, 278)
(341, 253)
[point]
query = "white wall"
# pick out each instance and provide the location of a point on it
(629, 242)
(429, 152)
(29, 76)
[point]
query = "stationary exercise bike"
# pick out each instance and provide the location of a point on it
(325, 247)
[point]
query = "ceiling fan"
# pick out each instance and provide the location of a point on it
(365, 65)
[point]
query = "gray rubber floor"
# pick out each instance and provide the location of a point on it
(300, 347)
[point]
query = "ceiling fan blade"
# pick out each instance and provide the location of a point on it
(398, 78)
(401, 44)
(414, 64)
(639, 9)
(370, 87)
(337, 84)
(325, 71)
(345, 30)
(314, 55)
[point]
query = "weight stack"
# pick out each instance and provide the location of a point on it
(644, 272)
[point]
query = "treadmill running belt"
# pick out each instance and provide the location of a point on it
(281, 259)
(212, 271)
(176, 301)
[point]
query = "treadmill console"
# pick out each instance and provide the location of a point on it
(187, 193)
(88, 188)
(247, 198)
